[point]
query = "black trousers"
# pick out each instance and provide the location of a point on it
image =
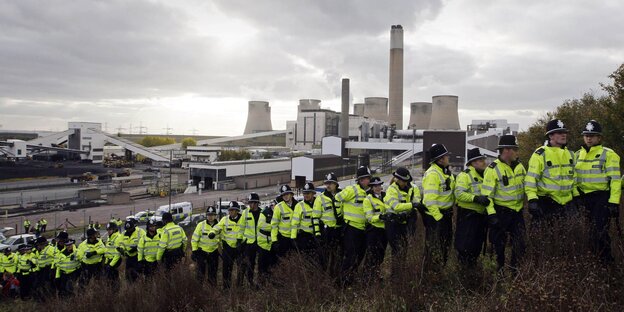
(172, 257)
(354, 251)
(25, 284)
(331, 249)
(207, 264)
(284, 245)
(132, 268)
(470, 235)
(230, 256)
(149, 267)
(266, 261)
(552, 210)
(66, 283)
(306, 243)
(376, 243)
(438, 237)
(43, 285)
(512, 223)
(90, 271)
(600, 222)
(248, 262)
(397, 238)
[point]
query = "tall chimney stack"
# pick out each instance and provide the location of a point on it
(395, 95)
(344, 114)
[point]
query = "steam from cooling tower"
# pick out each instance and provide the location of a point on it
(309, 104)
(358, 109)
(420, 115)
(344, 114)
(376, 108)
(258, 117)
(395, 94)
(444, 113)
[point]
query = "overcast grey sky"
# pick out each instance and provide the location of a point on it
(195, 64)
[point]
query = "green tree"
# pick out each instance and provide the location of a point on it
(226, 155)
(188, 142)
(608, 110)
(150, 141)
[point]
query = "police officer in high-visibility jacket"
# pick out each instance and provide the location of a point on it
(249, 236)
(550, 181)
(402, 200)
(329, 211)
(266, 252)
(26, 268)
(8, 261)
(112, 257)
(148, 249)
(129, 248)
(352, 199)
(67, 267)
(471, 224)
(376, 241)
(600, 185)
(90, 253)
(305, 228)
(228, 229)
(172, 242)
(44, 254)
(503, 183)
(282, 218)
(438, 198)
(204, 249)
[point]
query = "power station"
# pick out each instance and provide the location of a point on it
(395, 93)
(258, 117)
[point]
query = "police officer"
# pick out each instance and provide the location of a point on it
(438, 185)
(599, 183)
(67, 267)
(352, 199)
(503, 184)
(44, 255)
(26, 266)
(148, 249)
(376, 241)
(329, 211)
(471, 231)
(305, 228)
(550, 180)
(26, 226)
(128, 247)
(112, 257)
(90, 253)
(280, 223)
(248, 234)
(172, 242)
(204, 250)
(266, 252)
(8, 261)
(402, 201)
(228, 229)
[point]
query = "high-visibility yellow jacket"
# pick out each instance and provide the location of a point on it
(111, 255)
(130, 241)
(200, 239)
(504, 185)
(327, 209)
(400, 201)
(228, 230)
(352, 199)
(172, 237)
(438, 187)
(8, 263)
(26, 263)
(264, 229)
(467, 187)
(98, 249)
(45, 257)
(598, 169)
(373, 207)
(148, 247)
(248, 230)
(303, 220)
(280, 223)
(551, 173)
(66, 263)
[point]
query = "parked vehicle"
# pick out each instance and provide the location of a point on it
(16, 240)
(192, 220)
(179, 211)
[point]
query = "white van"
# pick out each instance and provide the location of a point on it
(179, 211)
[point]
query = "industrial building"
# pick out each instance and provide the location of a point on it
(258, 117)
(242, 174)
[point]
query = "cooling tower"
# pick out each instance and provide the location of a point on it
(358, 109)
(258, 117)
(420, 115)
(395, 94)
(376, 108)
(309, 104)
(444, 114)
(344, 113)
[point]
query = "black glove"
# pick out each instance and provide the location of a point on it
(133, 249)
(32, 263)
(239, 242)
(415, 205)
(534, 209)
(614, 210)
(212, 235)
(194, 255)
(383, 217)
(140, 265)
(88, 254)
(492, 220)
(120, 250)
(72, 257)
(481, 200)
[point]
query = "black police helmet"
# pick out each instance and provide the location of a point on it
(402, 174)
(331, 178)
(363, 172)
(592, 128)
(211, 210)
(253, 198)
(167, 217)
(554, 126)
(507, 141)
(474, 154)
(308, 188)
(285, 189)
(437, 151)
(375, 181)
